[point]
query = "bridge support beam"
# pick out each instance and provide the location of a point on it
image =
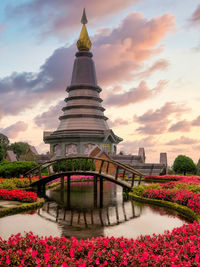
(68, 191)
(62, 192)
(101, 192)
(95, 191)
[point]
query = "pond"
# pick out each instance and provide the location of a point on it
(83, 218)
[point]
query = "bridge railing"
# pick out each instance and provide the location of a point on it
(86, 165)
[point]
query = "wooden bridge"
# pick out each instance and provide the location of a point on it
(110, 170)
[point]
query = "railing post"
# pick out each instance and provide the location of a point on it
(101, 192)
(100, 169)
(133, 178)
(117, 171)
(62, 189)
(123, 174)
(107, 169)
(85, 164)
(95, 191)
(140, 180)
(68, 191)
(40, 175)
(92, 161)
(30, 180)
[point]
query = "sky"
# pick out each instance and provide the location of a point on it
(146, 53)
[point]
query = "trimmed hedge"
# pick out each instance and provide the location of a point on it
(22, 208)
(185, 211)
(15, 168)
(66, 165)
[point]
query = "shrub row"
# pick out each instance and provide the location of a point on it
(15, 168)
(24, 207)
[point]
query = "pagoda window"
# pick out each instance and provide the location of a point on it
(87, 148)
(106, 148)
(71, 149)
(57, 150)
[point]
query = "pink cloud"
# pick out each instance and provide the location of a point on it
(196, 15)
(121, 53)
(63, 17)
(117, 122)
(134, 95)
(13, 130)
(196, 122)
(183, 126)
(182, 141)
(156, 122)
(49, 119)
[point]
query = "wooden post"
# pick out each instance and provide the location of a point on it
(140, 180)
(123, 208)
(107, 169)
(100, 169)
(95, 191)
(117, 214)
(85, 220)
(133, 178)
(123, 174)
(92, 221)
(62, 192)
(100, 216)
(107, 213)
(40, 175)
(101, 192)
(117, 171)
(68, 191)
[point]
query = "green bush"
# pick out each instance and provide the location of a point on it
(139, 190)
(184, 164)
(66, 165)
(15, 168)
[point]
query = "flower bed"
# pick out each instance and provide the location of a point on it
(183, 179)
(18, 195)
(13, 183)
(182, 197)
(177, 248)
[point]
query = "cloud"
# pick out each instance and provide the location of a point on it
(183, 126)
(117, 122)
(121, 52)
(196, 122)
(131, 146)
(13, 130)
(63, 17)
(156, 122)
(118, 56)
(161, 64)
(183, 141)
(134, 95)
(49, 119)
(195, 18)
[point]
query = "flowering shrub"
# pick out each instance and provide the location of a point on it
(18, 195)
(74, 178)
(183, 179)
(178, 248)
(182, 197)
(14, 183)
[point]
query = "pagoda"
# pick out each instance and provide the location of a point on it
(83, 124)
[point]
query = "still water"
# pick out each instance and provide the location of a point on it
(83, 218)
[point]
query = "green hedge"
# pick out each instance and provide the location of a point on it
(66, 165)
(15, 168)
(22, 208)
(185, 211)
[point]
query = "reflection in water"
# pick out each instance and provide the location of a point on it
(84, 218)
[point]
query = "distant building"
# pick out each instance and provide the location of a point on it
(10, 156)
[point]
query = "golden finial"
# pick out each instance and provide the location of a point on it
(84, 43)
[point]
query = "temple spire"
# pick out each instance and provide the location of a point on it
(84, 43)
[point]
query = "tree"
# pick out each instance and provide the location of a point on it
(198, 167)
(4, 141)
(19, 148)
(2, 152)
(183, 164)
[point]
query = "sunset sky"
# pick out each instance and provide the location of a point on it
(147, 57)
